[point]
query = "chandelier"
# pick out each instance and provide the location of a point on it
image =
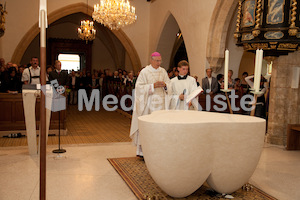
(86, 30)
(114, 13)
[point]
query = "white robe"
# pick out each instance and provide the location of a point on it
(148, 99)
(189, 85)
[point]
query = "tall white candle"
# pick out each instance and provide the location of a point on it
(43, 29)
(257, 86)
(255, 68)
(226, 69)
(43, 6)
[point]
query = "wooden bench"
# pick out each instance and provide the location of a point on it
(293, 137)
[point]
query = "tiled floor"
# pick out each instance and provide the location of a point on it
(85, 127)
(83, 173)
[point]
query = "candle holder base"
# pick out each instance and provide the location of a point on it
(257, 93)
(228, 90)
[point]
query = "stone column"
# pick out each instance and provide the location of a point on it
(284, 104)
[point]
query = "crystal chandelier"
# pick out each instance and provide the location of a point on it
(86, 30)
(114, 13)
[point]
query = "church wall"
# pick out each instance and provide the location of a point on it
(167, 40)
(101, 58)
(247, 64)
(128, 64)
(284, 100)
(22, 15)
(236, 52)
(1, 49)
(193, 18)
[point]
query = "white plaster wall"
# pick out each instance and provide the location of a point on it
(33, 50)
(1, 49)
(235, 52)
(101, 58)
(193, 18)
(139, 31)
(128, 64)
(22, 15)
(167, 40)
(63, 30)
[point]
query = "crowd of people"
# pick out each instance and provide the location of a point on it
(118, 82)
(12, 77)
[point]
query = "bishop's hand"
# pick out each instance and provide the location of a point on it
(159, 84)
(181, 97)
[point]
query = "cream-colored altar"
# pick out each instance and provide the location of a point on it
(183, 149)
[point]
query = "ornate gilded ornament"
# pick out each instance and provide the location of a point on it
(273, 31)
(238, 21)
(2, 19)
(260, 46)
(288, 46)
(293, 30)
(256, 30)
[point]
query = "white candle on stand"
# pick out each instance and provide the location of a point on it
(255, 68)
(258, 72)
(226, 69)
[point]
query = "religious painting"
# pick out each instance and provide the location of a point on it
(248, 13)
(275, 11)
(247, 36)
(274, 35)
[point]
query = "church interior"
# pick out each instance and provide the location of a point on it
(104, 54)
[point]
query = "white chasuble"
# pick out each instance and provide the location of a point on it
(147, 98)
(178, 86)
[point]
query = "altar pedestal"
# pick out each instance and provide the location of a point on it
(29, 101)
(183, 149)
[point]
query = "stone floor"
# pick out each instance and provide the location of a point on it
(83, 173)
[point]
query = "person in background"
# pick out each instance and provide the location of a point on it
(230, 80)
(129, 80)
(59, 75)
(209, 83)
(31, 75)
(260, 108)
(74, 86)
(244, 84)
(170, 74)
(176, 73)
(220, 78)
(13, 83)
(48, 70)
(237, 87)
(196, 78)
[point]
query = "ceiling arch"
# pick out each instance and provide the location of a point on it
(63, 12)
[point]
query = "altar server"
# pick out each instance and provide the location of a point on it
(152, 91)
(182, 86)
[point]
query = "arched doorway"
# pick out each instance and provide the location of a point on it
(171, 43)
(218, 32)
(63, 12)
